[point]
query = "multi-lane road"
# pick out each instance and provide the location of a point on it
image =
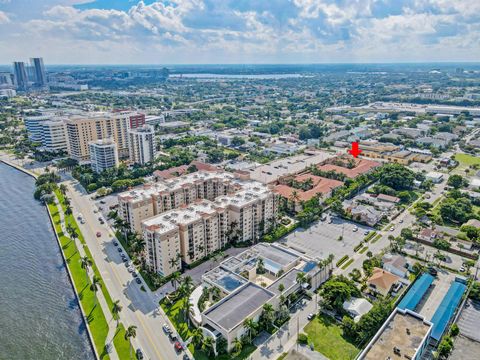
(140, 307)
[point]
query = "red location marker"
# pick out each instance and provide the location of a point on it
(355, 151)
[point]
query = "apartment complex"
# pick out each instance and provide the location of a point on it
(103, 155)
(34, 126)
(195, 215)
(141, 144)
(81, 130)
(148, 200)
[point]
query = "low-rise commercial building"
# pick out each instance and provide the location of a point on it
(246, 290)
(405, 334)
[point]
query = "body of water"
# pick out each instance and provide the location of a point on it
(39, 315)
(238, 76)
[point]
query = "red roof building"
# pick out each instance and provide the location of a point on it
(361, 167)
(320, 185)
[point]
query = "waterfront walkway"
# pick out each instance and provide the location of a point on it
(100, 297)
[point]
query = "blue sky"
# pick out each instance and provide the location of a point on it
(239, 31)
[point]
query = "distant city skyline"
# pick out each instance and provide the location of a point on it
(236, 32)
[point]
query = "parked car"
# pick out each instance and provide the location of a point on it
(462, 269)
(124, 259)
(178, 346)
(310, 317)
(186, 357)
(99, 234)
(103, 202)
(135, 275)
(172, 336)
(355, 229)
(115, 243)
(138, 281)
(166, 328)
(139, 354)
(366, 232)
(119, 249)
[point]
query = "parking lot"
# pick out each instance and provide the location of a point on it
(469, 320)
(323, 238)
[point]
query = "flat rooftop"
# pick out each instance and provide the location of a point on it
(274, 170)
(224, 279)
(288, 280)
(236, 307)
(403, 331)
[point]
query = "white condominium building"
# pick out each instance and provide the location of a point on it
(141, 144)
(34, 126)
(54, 135)
(148, 200)
(103, 154)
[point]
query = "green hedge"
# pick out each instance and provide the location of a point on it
(342, 260)
(370, 236)
(347, 264)
(358, 247)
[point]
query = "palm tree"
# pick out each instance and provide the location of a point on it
(94, 286)
(187, 283)
(251, 327)
(131, 332)
(207, 345)
(66, 200)
(301, 278)
(175, 278)
(215, 292)
(63, 189)
(116, 309)
(174, 262)
(187, 306)
(197, 338)
(72, 231)
(85, 263)
(68, 210)
(268, 315)
(237, 345)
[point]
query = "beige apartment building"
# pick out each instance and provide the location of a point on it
(81, 130)
(201, 212)
(151, 199)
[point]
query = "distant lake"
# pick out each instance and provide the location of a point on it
(238, 76)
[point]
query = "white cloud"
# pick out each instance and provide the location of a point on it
(4, 19)
(273, 31)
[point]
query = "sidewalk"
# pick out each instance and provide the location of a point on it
(101, 298)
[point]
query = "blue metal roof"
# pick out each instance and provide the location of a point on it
(446, 309)
(415, 294)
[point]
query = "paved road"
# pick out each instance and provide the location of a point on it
(404, 220)
(285, 338)
(140, 308)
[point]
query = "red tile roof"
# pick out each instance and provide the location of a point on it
(321, 185)
(363, 166)
(182, 169)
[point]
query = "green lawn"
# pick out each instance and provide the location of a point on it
(175, 314)
(96, 318)
(467, 160)
(327, 338)
(122, 345)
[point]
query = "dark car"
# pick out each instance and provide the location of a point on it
(124, 259)
(115, 243)
(103, 202)
(138, 280)
(119, 249)
(172, 336)
(139, 354)
(134, 274)
(186, 357)
(432, 271)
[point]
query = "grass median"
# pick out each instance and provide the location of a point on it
(97, 321)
